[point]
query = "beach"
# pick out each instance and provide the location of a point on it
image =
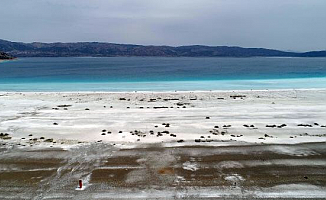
(194, 144)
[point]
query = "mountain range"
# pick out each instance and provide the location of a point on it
(97, 49)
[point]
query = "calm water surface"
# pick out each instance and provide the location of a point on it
(161, 74)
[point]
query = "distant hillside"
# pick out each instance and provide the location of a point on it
(97, 49)
(4, 56)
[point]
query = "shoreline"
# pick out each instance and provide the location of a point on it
(165, 92)
(7, 60)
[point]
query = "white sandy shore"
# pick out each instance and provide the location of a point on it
(24, 114)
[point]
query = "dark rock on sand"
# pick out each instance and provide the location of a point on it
(63, 106)
(305, 125)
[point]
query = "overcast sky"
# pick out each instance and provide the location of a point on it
(297, 25)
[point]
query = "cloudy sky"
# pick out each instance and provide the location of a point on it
(297, 25)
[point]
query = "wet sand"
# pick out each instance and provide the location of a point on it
(196, 145)
(154, 171)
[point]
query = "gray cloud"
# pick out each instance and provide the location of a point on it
(281, 24)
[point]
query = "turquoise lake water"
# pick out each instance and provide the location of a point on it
(161, 74)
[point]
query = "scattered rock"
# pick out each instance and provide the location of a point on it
(48, 140)
(237, 96)
(281, 126)
(63, 106)
(305, 125)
